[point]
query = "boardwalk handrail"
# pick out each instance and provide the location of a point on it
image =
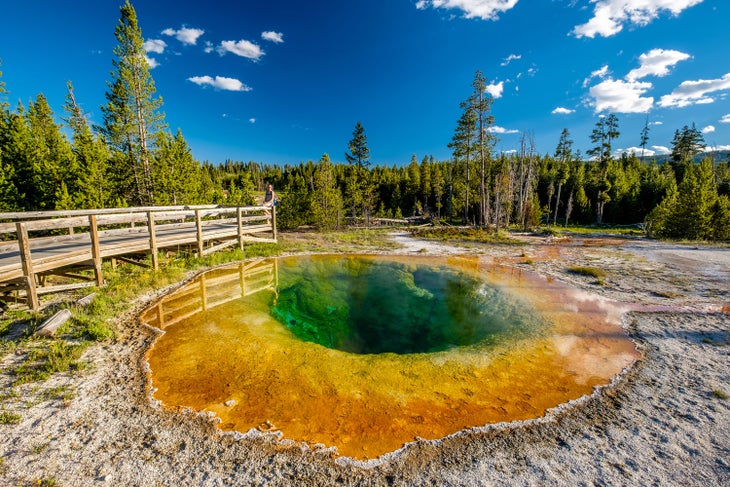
(113, 232)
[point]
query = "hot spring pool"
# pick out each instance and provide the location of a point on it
(366, 353)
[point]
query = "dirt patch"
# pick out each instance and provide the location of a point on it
(664, 422)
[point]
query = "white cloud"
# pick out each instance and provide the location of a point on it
(725, 118)
(481, 9)
(721, 147)
(185, 35)
(621, 96)
(208, 47)
(709, 129)
(562, 111)
(496, 129)
(510, 58)
(609, 16)
(155, 45)
(656, 63)
(510, 151)
(634, 150)
(151, 62)
(695, 92)
(656, 123)
(495, 89)
(598, 73)
(229, 84)
(241, 48)
(252, 120)
(272, 36)
(660, 149)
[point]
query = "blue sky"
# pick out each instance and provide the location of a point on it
(285, 81)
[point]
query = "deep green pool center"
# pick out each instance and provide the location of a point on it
(362, 305)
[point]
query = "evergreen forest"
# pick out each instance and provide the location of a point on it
(59, 161)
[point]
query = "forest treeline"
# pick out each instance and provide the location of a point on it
(58, 162)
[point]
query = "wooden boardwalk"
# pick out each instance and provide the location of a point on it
(36, 244)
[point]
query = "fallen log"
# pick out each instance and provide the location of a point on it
(49, 327)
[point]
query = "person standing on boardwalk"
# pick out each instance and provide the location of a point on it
(270, 196)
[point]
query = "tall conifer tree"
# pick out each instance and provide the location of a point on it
(132, 114)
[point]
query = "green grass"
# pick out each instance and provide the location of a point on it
(587, 271)
(41, 362)
(462, 234)
(719, 394)
(9, 418)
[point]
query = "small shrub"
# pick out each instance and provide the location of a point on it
(719, 394)
(98, 332)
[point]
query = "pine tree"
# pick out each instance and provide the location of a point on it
(131, 115)
(326, 202)
(177, 175)
(463, 147)
(481, 102)
(563, 153)
(359, 154)
(89, 190)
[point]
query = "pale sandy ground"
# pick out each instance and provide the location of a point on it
(658, 424)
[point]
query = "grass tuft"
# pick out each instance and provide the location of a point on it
(9, 418)
(587, 271)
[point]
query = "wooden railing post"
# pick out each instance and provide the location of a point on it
(95, 250)
(153, 240)
(273, 221)
(27, 263)
(239, 221)
(199, 228)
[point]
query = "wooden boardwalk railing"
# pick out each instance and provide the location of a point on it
(35, 244)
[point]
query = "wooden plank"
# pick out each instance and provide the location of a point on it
(199, 230)
(220, 246)
(95, 252)
(153, 241)
(27, 264)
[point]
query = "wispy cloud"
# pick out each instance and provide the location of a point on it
(185, 35)
(562, 111)
(151, 62)
(479, 9)
(510, 58)
(621, 96)
(656, 63)
(251, 120)
(496, 129)
(660, 149)
(241, 48)
(272, 36)
(725, 118)
(220, 82)
(609, 16)
(709, 129)
(495, 89)
(598, 73)
(155, 45)
(695, 92)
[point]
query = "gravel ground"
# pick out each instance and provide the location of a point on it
(665, 421)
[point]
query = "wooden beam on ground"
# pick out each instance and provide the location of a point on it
(49, 327)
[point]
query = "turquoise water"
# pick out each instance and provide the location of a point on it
(366, 306)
